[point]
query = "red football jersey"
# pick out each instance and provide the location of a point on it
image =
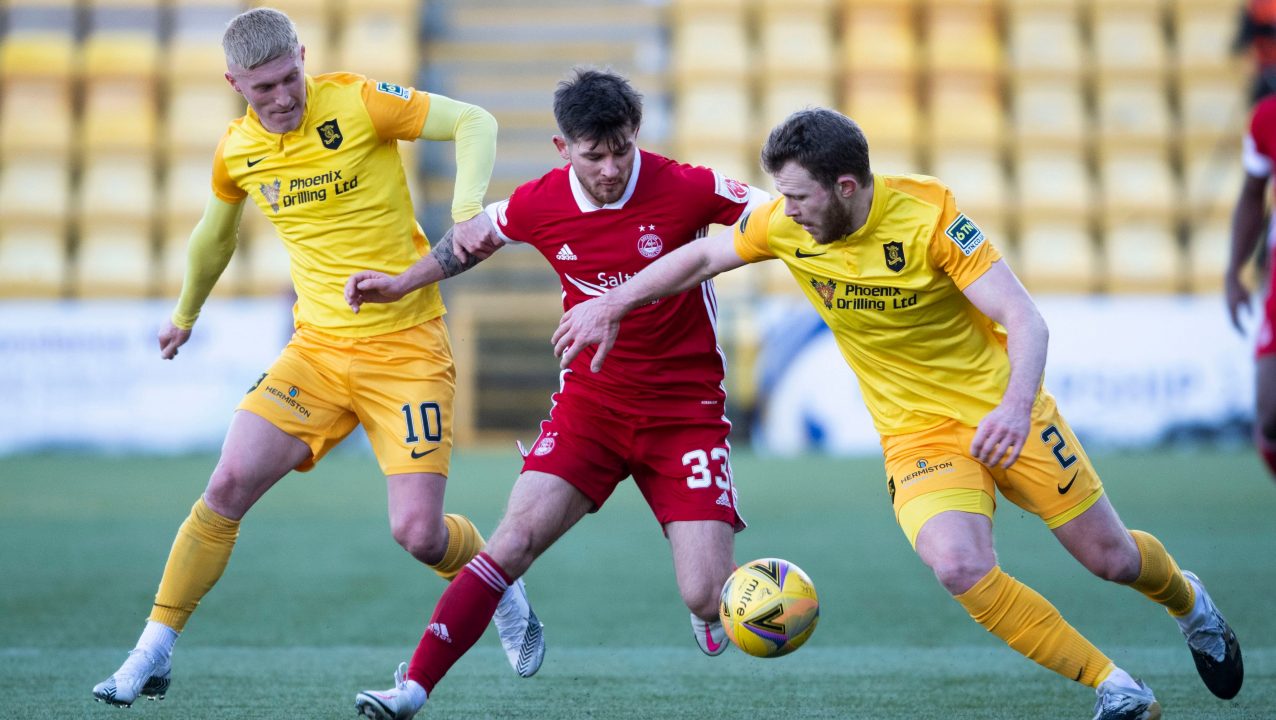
(666, 361)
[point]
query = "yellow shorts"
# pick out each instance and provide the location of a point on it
(399, 386)
(931, 471)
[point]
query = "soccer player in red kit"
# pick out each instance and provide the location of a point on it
(1259, 154)
(656, 413)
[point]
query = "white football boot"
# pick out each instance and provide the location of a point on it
(710, 636)
(400, 702)
(1214, 647)
(140, 675)
(521, 632)
(1118, 702)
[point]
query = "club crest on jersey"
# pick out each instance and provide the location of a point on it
(649, 244)
(271, 194)
(825, 290)
(330, 134)
(965, 233)
(894, 255)
(544, 447)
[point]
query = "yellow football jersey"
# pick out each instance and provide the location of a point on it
(892, 294)
(336, 192)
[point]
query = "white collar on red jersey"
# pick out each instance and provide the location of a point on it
(582, 197)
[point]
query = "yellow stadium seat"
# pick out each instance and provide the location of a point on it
(962, 37)
(32, 260)
(1141, 255)
(713, 112)
(781, 99)
(710, 41)
(1212, 176)
(197, 116)
(1203, 37)
(966, 111)
(879, 37)
(187, 186)
(1049, 111)
(893, 160)
(120, 116)
(886, 107)
(1045, 39)
(1213, 109)
(978, 181)
(796, 41)
(1129, 39)
(380, 44)
(1138, 183)
(1131, 112)
(194, 49)
(1053, 183)
(1209, 245)
(1056, 255)
(45, 54)
(34, 188)
(114, 259)
(36, 117)
(116, 188)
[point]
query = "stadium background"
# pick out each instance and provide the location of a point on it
(1096, 142)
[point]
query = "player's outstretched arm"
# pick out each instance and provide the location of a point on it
(443, 261)
(1247, 228)
(212, 243)
(597, 321)
(473, 131)
(999, 295)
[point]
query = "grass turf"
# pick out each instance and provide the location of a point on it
(318, 601)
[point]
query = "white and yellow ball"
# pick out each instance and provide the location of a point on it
(769, 607)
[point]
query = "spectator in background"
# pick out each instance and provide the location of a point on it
(1257, 31)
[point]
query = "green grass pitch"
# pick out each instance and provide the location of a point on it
(318, 601)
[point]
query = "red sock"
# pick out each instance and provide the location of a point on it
(1267, 451)
(463, 612)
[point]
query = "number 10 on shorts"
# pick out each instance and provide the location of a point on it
(698, 461)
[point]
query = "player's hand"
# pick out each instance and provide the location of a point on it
(370, 286)
(475, 237)
(1001, 434)
(1237, 299)
(592, 322)
(172, 337)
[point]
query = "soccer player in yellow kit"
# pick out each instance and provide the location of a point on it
(319, 156)
(949, 350)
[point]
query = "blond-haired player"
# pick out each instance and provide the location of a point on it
(319, 156)
(949, 350)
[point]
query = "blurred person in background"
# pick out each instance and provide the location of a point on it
(1251, 230)
(950, 352)
(1257, 34)
(658, 415)
(319, 156)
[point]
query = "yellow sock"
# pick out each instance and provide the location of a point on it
(464, 541)
(1029, 624)
(199, 555)
(1160, 578)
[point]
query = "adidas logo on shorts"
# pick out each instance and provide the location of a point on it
(565, 253)
(724, 500)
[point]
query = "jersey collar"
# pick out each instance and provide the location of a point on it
(582, 198)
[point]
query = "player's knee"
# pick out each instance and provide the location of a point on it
(958, 572)
(424, 538)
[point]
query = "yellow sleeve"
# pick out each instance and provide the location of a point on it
(959, 246)
(397, 112)
(223, 186)
(751, 232)
(212, 243)
(473, 129)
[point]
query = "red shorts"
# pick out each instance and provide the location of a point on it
(1266, 343)
(682, 466)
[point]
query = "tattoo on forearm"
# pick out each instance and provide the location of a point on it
(447, 259)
